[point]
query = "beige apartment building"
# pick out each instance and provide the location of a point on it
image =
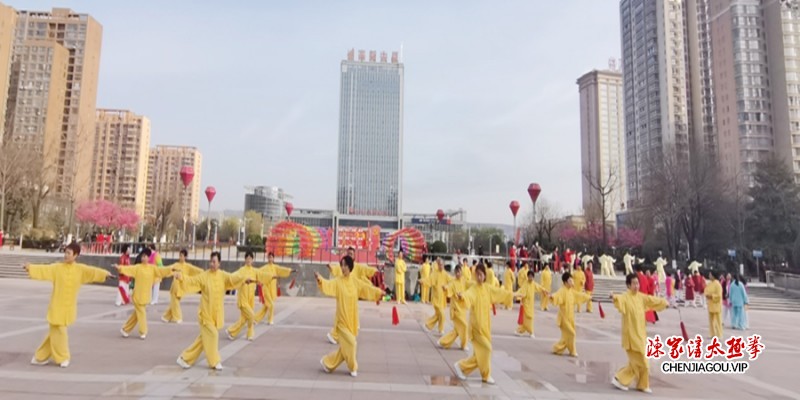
(602, 141)
(80, 36)
(164, 181)
(119, 170)
(8, 22)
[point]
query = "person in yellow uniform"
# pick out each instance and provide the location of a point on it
(547, 284)
(400, 278)
(174, 312)
(579, 278)
(509, 280)
(67, 278)
(478, 299)
(246, 300)
(144, 275)
(271, 291)
(522, 274)
(632, 305)
(457, 312)
(424, 273)
(491, 278)
(565, 299)
(212, 285)
(347, 290)
(361, 271)
(713, 294)
(527, 294)
(438, 280)
(465, 270)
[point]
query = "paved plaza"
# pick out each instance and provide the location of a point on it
(395, 362)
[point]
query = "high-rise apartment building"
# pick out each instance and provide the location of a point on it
(8, 22)
(119, 170)
(80, 35)
(165, 189)
(370, 170)
(602, 142)
(654, 75)
(702, 128)
(782, 25)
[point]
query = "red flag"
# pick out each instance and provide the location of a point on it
(124, 294)
(279, 291)
(291, 285)
(395, 317)
(521, 317)
(683, 327)
(494, 310)
(260, 290)
(600, 307)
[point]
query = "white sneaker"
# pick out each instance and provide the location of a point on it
(353, 374)
(183, 363)
(269, 323)
(647, 390)
(533, 336)
(64, 364)
(230, 337)
(618, 385)
(180, 321)
(250, 339)
(331, 339)
(574, 355)
(123, 333)
(324, 368)
(34, 361)
(439, 344)
(164, 320)
(459, 373)
(425, 328)
(218, 367)
(143, 337)
(520, 334)
(466, 349)
(489, 380)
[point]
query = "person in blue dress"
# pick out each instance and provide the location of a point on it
(738, 299)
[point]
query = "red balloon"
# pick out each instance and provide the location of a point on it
(289, 208)
(187, 174)
(533, 190)
(514, 206)
(440, 214)
(210, 193)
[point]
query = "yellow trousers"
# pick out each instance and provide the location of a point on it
(208, 342)
(527, 323)
(139, 316)
(589, 303)
(246, 317)
(400, 291)
(426, 294)
(715, 324)
(55, 345)
(638, 368)
(267, 309)
(567, 341)
(345, 353)
(509, 304)
(481, 357)
(545, 301)
(459, 332)
(437, 318)
(174, 313)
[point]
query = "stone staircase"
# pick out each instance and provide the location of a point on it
(11, 262)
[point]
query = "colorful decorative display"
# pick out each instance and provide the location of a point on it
(360, 238)
(411, 241)
(292, 239)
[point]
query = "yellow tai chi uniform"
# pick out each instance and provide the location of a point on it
(211, 313)
(400, 281)
(67, 279)
(271, 291)
(491, 278)
(566, 299)
(424, 273)
(438, 280)
(713, 293)
(246, 301)
(632, 306)
(145, 276)
(347, 290)
(522, 274)
(509, 279)
(458, 314)
(467, 272)
(547, 284)
(479, 299)
(174, 312)
(579, 278)
(360, 271)
(527, 294)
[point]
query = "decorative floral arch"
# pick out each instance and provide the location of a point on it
(411, 241)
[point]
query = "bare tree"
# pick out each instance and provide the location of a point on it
(663, 197)
(547, 217)
(604, 195)
(701, 205)
(39, 177)
(10, 176)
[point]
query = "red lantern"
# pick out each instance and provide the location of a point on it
(210, 193)
(187, 174)
(440, 214)
(514, 206)
(289, 208)
(533, 190)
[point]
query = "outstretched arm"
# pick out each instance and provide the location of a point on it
(327, 287)
(93, 274)
(41, 272)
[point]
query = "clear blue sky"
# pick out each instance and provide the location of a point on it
(491, 102)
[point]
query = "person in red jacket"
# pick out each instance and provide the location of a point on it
(589, 285)
(124, 292)
(568, 255)
(523, 254)
(556, 260)
(644, 287)
(689, 291)
(700, 288)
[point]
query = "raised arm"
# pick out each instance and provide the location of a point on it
(164, 272)
(327, 287)
(365, 270)
(282, 272)
(232, 281)
(618, 303)
(93, 274)
(128, 270)
(265, 277)
(500, 295)
(368, 292)
(655, 303)
(41, 272)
